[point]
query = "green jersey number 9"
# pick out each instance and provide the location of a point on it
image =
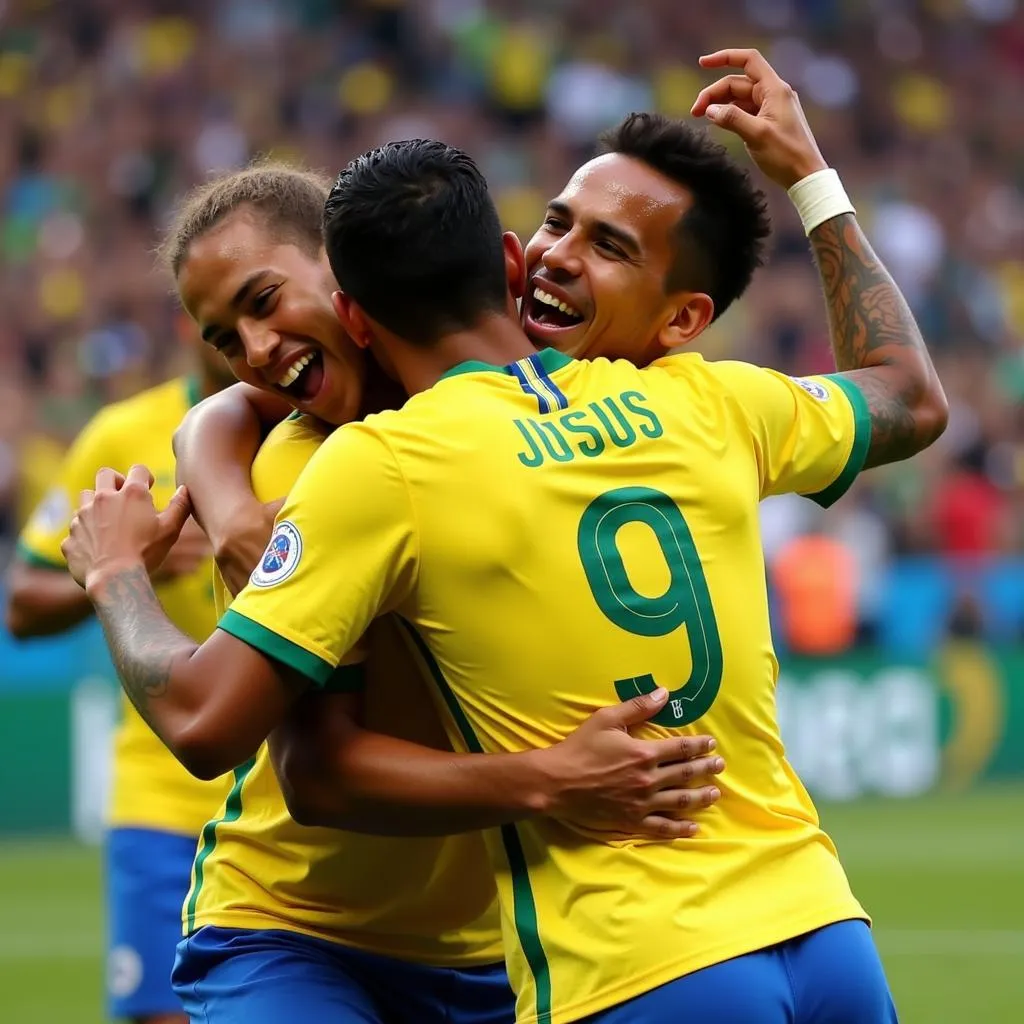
(686, 601)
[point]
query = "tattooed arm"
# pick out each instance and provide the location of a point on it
(211, 705)
(877, 343)
(875, 339)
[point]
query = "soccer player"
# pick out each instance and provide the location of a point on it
(156, 808)
(345, 925)
(751, 922)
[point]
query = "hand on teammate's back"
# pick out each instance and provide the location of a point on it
(117, 525)
(764, 111)
(616, 783)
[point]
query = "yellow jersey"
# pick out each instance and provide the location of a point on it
(428, 900)
(555, 535)
(150, 788)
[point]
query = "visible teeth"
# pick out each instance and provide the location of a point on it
(291, 375)
(549, 300)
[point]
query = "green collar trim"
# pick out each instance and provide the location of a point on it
(192, 393)
(549, 359)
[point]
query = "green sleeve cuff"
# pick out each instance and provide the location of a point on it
(861, 442)
(311, 666)
(37, 561)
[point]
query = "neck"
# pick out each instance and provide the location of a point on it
(498, 340)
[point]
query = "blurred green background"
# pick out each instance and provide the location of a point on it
(941, 875)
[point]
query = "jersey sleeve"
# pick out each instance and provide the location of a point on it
(350, 674)
(94, 448)
(342, 552)
(810, 434)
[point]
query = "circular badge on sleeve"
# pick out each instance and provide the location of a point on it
(281, 558)
(813, 388)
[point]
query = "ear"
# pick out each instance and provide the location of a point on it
(352, 318)
(515, 264)
(693, 313)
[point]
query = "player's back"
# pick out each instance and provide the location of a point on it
(428, 900)
(577, 533)
(151, 790)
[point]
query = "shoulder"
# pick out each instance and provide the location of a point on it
(693, 366)
(297, 429)
(284, 454)
(359, 451)
(731, 377)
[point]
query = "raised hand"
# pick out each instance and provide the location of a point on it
(117, 525)
(764, 111)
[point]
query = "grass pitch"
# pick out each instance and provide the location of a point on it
(942, 876)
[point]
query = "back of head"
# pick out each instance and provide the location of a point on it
(288, 199)
(720, 240)
(414, 238)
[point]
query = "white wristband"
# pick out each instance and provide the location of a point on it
(820, 197)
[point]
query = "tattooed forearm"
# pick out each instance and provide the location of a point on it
(875, 336)
(143, 643)
(867, 312)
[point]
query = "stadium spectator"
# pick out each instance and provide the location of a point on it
(110, 109)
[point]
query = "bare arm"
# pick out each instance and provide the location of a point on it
(43, 602)
(336, 774)
(211, 705)
(875, 339)
(214, 449)
(877, 343)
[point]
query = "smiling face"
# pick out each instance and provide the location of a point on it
(598, 265)
(265, 304)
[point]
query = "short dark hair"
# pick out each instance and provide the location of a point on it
(720, 241)
(413, 235)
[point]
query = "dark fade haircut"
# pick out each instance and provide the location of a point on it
(720, 240)
(413, 236)
(289, 200)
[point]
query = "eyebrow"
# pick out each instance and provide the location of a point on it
(237, 299)
(602, 227)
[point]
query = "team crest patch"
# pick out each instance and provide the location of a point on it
(281, 558)
(813, 388)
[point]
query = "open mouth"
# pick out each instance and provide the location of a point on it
(548, 311)
(302, 380)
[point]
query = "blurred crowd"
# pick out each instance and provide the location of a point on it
(109, 109)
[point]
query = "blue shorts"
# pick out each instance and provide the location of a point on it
(829, 976)
(235, 976)
(148, 874)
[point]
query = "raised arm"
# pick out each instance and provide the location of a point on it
(214, 448)
(335, 773)
(877, 343)
(875, 339)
